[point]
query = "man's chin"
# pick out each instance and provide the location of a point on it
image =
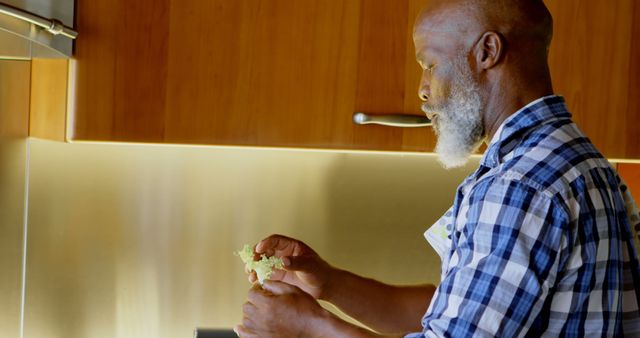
(452, 154)
(449, 161)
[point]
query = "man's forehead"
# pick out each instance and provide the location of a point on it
(451, 16)
(431, 35)
(444, 27)
(442, 23)
(436, 41)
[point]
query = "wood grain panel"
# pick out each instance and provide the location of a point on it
(276, 73)
(96, 52)
(121, 73)
(382, 58)
(141, 70)
(269, 73)
(204, 60)
(291, 73)
(633, 110)
(14, 98)
(590, 62)
(630, 172)
(48, 111)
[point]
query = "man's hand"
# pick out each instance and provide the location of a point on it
(364, 299)
(303, 267)
(279, 310)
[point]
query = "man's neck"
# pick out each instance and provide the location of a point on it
(507, 100)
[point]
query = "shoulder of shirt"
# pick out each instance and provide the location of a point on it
(550, 157)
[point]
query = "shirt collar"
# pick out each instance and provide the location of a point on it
(541, 111)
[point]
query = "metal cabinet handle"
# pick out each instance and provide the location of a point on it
(52, 26)
(392, 120)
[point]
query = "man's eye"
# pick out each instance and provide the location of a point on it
(426, 67)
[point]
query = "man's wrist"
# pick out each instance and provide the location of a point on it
(334, 277)
(329, 325)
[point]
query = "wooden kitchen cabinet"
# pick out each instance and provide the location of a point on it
(291, 73)
(630, 173)
(595, 64)
(246, 72)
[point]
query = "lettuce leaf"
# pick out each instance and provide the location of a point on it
(263, 267)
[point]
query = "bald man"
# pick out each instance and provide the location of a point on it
(538, 241)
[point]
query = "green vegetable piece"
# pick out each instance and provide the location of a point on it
(264, 267)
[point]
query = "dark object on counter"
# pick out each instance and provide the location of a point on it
(214, 333)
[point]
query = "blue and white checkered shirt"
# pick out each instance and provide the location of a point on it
(538, 242)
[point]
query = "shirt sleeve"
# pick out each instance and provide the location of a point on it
(504, 259)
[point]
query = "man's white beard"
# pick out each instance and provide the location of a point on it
(458, 123)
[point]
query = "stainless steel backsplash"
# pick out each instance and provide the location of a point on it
(137, 240)
(12, 206)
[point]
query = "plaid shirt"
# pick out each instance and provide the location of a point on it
(538, 241)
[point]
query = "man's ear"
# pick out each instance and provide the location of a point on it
(490, 50)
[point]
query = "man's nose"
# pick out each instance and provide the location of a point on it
(423, 92)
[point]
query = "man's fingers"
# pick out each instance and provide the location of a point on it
(277, 274)
(274, 243)
(248, 309)
(257, 295)
(279, 288)
(256, 287)
(304, 263)
(244, 332)
(252, 277)
(292, 263)
(267, 245)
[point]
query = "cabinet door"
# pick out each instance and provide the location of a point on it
(246, 72)
(595, 64)
(291, 73)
